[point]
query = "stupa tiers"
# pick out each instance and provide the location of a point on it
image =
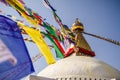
(80, 65)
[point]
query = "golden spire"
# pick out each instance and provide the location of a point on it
(77, 25)
(80, 41)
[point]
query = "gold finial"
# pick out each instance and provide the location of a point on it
(77, 25)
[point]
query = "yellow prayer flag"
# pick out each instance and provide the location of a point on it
(15, 4)
(37, 38)
(21, 9)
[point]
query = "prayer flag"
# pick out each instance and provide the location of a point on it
(57, 49)
(38, 39)
(15, 52)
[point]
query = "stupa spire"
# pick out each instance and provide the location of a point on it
(82, 47)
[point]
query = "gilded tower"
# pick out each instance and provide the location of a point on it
(81, 43)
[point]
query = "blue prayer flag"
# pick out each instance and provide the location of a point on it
(17, 63)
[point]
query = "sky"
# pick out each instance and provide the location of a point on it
(100, 17)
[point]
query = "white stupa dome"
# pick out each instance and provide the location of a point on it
(80, 68)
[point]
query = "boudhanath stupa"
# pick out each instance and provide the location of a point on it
(76, 61)
(80, 65)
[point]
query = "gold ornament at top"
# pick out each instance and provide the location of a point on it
(77, 25)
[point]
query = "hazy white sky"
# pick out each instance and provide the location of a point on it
(100, 17)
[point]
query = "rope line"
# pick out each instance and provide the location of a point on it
(103, 38)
